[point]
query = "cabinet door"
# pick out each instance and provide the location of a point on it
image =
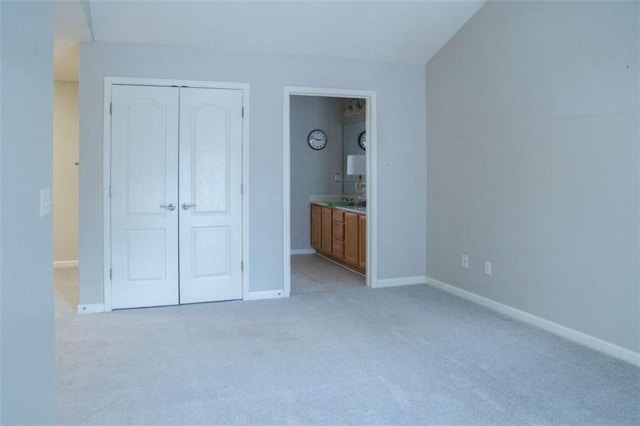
(326, 237)
(337, 246)
(351, 238)
(316, 226)
(362, 241)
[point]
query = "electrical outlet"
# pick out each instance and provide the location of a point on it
(465, 260)
(487, 268)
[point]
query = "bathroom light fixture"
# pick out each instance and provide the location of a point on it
(355, 107)
(357, 165)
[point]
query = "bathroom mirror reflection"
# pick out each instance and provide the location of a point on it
(350, 135)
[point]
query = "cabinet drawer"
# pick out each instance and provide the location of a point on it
(338, 215)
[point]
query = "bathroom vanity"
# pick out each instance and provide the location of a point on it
(340, 233)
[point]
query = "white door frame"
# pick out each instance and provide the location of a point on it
(106, 167)
(372, 179)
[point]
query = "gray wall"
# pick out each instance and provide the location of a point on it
(26, 280)
(1, 279)
(532, 159)
(402, 152)
(312, 171)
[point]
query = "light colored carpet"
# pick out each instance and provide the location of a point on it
(406, 355)
(311, 273)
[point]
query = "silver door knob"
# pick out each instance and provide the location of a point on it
(171, 207)
(186, 206)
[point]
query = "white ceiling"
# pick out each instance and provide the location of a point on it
(392, 31)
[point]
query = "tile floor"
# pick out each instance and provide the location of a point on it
(311, 273)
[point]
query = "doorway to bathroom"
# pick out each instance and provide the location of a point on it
(329, 186)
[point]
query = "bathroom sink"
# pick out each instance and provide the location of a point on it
(338, 203)
(354, 209)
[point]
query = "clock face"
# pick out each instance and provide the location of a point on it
(317, 139)
(362, 140)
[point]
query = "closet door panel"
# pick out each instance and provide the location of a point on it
(210, 195)
(144, 182)
(206, 240)
(210, 160)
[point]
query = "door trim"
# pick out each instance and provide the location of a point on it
(372, 178)
(106, 167)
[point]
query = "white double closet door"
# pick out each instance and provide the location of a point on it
(176, 203)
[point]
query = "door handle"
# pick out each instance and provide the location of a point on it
(186, 206)
(171, 207)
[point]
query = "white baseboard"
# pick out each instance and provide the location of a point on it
(550, 326)
(65, 263)
(259, 295)
(295, 252)
(394, 282)
(91, 309)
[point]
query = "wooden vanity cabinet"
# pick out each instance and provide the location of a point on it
(326, 237)
(340, 235)
(337, 228)
(316, 225)
(362, 242)
(351, 231)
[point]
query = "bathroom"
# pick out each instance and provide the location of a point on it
(328, 173)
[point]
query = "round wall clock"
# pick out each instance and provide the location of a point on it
(317, 139)
(362, 140)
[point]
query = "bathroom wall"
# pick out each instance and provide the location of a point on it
(312, 172)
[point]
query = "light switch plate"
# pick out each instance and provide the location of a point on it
(45, 202)
(487, 268)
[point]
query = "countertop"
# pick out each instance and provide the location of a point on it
(353, 209)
